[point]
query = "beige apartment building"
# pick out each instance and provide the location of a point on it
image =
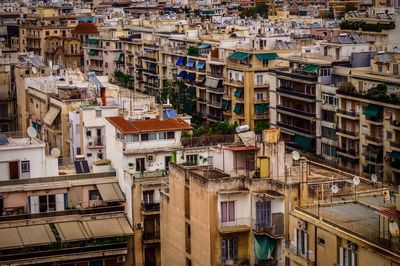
(368, 115)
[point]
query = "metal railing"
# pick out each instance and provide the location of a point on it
(308, 255)
(150, 174)
(395, 144)
(207, 140)
(349, 113)
(149, 236)
(350, 133)
(374, 139)
(352, 152)
(301, 130)
(275, 229)
(96, 141)
(295, 93)
(235, 261)
(293, 110)
(150, 207)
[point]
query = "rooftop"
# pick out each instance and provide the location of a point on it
(20, 143)
(149, 125)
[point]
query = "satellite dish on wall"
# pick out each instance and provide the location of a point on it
(34, 70)
(55, 152)
(356, 180)
(374, 178)
(295, 155)
(335, 189)
(394, 229)
(31, 131)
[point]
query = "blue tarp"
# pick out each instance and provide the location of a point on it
(190, 63)
(169, 113)
(182, 74)
(200, 65)
(180, 60)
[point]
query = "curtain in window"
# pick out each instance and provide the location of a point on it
(231, 210)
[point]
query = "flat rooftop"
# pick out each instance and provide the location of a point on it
(21, 143)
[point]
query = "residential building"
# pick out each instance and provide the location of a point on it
(70, 219)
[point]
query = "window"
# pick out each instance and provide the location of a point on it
(321, 241)
(328, 150)
(329, 133)
(328, 116)
(47, 203)
(131, 137)
(229, 250)
(329, 99)
(395, 69)
(94, 194)
(148, 196)
(78, 150)
(227, 211)
(106, 65)
(47, 33)
(259, 96)
(191, 159)
(263, 215)
(152, 136)
(140, 165)
(144, 137)
(301, 240)
(25, 166)
(259, 79)
(88, 155)
(88, 133)
(380, 68)
(167, 135)
(389, 135)
(98, 113)
(265, 63)
(347, 257)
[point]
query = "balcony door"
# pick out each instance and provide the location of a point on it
(227, 211)
(263, 214)
(229, 251)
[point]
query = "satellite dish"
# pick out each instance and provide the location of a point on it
(374, 178)
(356, 180)
(55, 152)
(31, 131)
(335, 189)
(295, 155)
(34, 70)
(394, 229)
(55, 67)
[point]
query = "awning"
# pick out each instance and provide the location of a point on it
(190, 77)
(263, 247)
(190, 63)
(110, 227)
(267, 56)
(260, 108)
(389, 213)
(51, 115)
(71, 231)
(225, 105)
(119, 56)
(92, 41)
(200, 65)
(110, 192)
(26, 236)
(91, 52)
(310, 68)
(204, 46)
(238, 93)
(395, 155)
(239, 56)
(238, 108)
(182, 74)
(303, 142)
(372, 111)
(180, 60)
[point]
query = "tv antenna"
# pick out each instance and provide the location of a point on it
(32, 133)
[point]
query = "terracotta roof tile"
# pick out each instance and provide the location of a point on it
(150, 125)
(85, 28)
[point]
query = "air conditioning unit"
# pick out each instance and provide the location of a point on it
(151, 158)
(121, 259)
(139, 225)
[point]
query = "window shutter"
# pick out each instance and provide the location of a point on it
(65, 201)
(231, 210)
(341, 257)
(224, 217)
(305, 251)
(59, 202)
(295, 239)
(34, 200)
(268, 214)
(353, 259)
(223, 249)
(234, 249)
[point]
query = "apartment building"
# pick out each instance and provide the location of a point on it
(141, 152)
(63, 51)
(247, 91)
(368, 111)
(64, 220)
(36, 28)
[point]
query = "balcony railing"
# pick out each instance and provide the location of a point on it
(352, 152)
(150, 207)
(308, 255)
(295, 73)
(395, 123)
(346, 132)
(237, 222)
(349, 113)
(96, 142)
(274, 230)
(395, 144)
(152, 174)
(295, 111)
(374, 139)
(151, 236)
(207, 140)
(215, 104)
(235, 261)
(374, 119)
(299, 129)
(295, 93)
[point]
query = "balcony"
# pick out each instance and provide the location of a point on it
(302, 257)
(352, 153)
(374, 120)
(297, 74)
(215, 75)
(276, 230)
(295, 111)
(237, 225)
(310, 132)
(374, 140)
(395, 123)
(207, 140)
(216, 90)
(150, 208)
(236, 83)
(290, 92)
(349, 114)
(264, 115)
(346, 133)
(95, 142)
(395, 145)
(214, 118)
(151, 237)
(214, 104)
(150, 174)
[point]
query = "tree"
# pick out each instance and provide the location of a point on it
(179, 96)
